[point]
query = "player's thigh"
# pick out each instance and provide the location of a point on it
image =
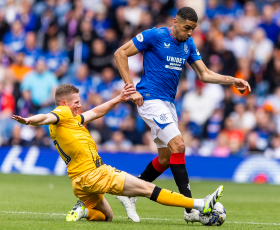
(164, 156)
(116, 181)
(90, 186)
(105, 208)
(134, 186)
(169, 132)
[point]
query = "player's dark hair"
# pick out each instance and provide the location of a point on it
(187, 13)
(63, 91)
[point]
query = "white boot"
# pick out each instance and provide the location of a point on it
(193, 216)
(129, 207)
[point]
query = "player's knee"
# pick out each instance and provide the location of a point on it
(181, 147)
(109, 216)
(178, 147)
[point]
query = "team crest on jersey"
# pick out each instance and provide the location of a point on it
(140, 37)
(186, 48)
(166, 45)
(163, 117)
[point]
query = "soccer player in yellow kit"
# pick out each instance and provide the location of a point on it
(91, 178)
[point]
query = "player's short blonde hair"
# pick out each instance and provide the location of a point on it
(63, 91)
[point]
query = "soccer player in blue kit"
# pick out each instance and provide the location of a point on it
(165, 52)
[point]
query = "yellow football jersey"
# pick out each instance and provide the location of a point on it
(73, 142)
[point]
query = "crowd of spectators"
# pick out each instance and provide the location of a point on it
(44, 43)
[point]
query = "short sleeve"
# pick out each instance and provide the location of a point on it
(146, 39)
(80, 118)
(62, 113)
(194, 55)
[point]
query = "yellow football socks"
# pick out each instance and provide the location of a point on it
(170, 198)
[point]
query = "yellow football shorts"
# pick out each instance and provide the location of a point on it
(91, 186)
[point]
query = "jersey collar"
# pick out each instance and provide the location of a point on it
(169, 31)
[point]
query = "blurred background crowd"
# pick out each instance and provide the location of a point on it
(44, 43)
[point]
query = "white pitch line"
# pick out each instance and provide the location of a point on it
(34, 213)
(235, 222)
(116, 217)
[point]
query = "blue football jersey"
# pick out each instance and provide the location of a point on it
(31, 55)
(56, 59)
(163, 61)
(14, 42)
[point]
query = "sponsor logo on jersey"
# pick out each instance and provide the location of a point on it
(166, 45)
(163, 117)
(175, 59)
(140, 37)
(79, 124)
(58, 110)
(197, 52)
(173, 67)
(175, 63)
(186, 48)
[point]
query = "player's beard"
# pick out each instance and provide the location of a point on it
(183, 40)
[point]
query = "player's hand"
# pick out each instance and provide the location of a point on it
(241, 85)
(127, 91)
(25, 121)
(137, 98)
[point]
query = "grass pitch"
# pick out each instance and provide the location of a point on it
(41, 202)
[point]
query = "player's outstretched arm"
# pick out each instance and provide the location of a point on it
(121, 56)
(103, 109)
(37, 120)
(208, 76)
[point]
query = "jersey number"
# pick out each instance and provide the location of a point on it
(67, 158)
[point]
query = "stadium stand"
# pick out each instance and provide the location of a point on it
(73, 42)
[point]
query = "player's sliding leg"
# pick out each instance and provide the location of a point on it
(136, 187)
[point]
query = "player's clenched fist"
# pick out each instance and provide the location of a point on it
(137, 98)
(241, 85)
(127, 91)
